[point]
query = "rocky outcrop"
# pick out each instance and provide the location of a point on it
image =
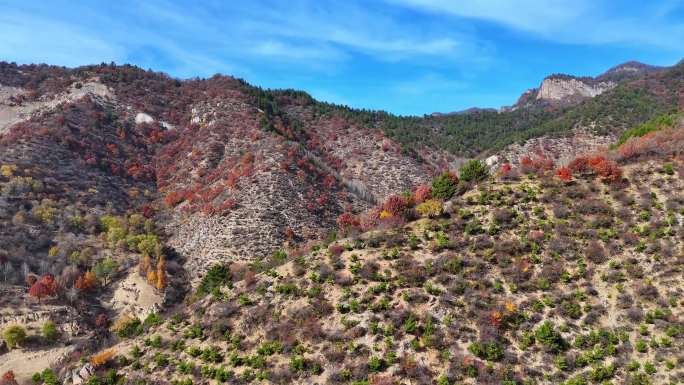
(561, 150)
(13, 108)
(559, 89)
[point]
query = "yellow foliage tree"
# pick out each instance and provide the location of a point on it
(430, 208)
(7, 170)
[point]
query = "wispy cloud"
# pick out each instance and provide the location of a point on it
(659, 24)
(403, 55)
(311, 32)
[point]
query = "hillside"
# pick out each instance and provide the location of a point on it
(531, 276)
(295, 241)
(630, 101)
(220, 158)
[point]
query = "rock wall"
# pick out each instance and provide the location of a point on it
(561, 88)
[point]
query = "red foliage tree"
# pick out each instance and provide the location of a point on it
(173, 199)
(422, 193)
(525, 161)
(147, 211)
(347, 221)
(329, 181)
(579, 165)
(46, 286)
(395, 205)
(8, 378)
(538, 164)
(564, 174)
(607, 169)
(38, 290)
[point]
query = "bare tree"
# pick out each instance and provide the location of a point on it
(71, 294)
(25, 270)
(43, 267)
(7, 271)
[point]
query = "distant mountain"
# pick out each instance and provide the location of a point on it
(628, 70)
(568, 90)
(624, 96)
(470, 110)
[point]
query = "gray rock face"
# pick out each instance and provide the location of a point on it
(80, 376)
(555, 89)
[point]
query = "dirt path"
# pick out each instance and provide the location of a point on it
(25, 363)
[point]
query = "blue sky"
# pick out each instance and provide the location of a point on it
(403, 56)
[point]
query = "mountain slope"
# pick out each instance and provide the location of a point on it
(224, 159)
(523, 279)
(222, 151)
(631, 101)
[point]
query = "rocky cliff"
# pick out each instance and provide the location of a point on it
(565, 89)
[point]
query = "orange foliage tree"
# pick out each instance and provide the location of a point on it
(161, 274)
(145, 264)
(422, 193)
(152, 277)
(102, 358)
(86, 282)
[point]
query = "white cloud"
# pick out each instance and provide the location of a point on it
(572, 21)
(529, 15)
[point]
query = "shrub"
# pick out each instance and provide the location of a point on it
(491, 351)
(422, 193)
(600, 373)
(376, 364)
(641, 346)
(649, 368)
(47, 376)
(430, 208)
(549, 337)
(50, 331)
(571, 309)
(14, 336)
(127, 327)
(102, 358)
(473, 171)
(395, 205)
(444, 185)
(297, 363)
(217, 276)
